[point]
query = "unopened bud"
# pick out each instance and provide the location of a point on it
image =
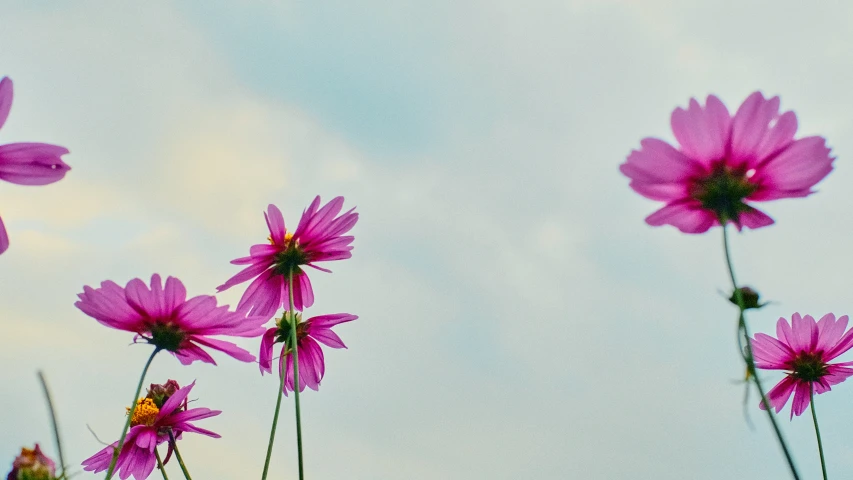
(160, 393)
(32, 465)
(749, 297)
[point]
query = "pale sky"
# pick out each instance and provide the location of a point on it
(518, 319)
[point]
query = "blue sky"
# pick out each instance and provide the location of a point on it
(517, 317)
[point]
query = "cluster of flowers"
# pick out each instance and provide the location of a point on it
(161, 315)
(723, 164)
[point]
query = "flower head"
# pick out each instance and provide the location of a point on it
(26, 163)
(804, 348)
(724, 163)
(312, 366)
(32, 464)
(165, 318)
(151, 426)
(319, 237)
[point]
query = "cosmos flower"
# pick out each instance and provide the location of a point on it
(312, 366)
(319, 237)
(26, 163)
(150, 426)
(32, 464)
(724, 163)
(804, 349)
(166, 319)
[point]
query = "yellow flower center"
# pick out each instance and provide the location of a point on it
(287, 238)
(145, 413)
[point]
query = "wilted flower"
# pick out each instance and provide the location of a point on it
(160, 393)
(804, 349)
(312, 366)
(26, 163)
(319, 237)
(150, 426)
(32, 464)
(724, 162)
(165, 318)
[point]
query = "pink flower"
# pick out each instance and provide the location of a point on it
(804, 349)
(724, 162)
(32, 464)
(311, 363)
(165, 318)
(319, 237)
(26, 163)
(150, 426)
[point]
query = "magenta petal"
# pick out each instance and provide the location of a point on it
(4, 238)
(779, 137)
(779, 395)
(702, 132)
(754, 218)
(32, 163)
(265, 354)
(275, 223)
(750, 124)
(689, 217)
(227, 348)
(795, 170)
(5, 99)
(801, 398)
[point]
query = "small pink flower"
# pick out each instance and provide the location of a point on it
(32, 464)
(804, 349)
(724, 162)
(150, 426)
(319, 237)
(26, 163)
(165, 318)
(312, 366)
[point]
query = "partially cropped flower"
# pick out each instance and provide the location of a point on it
(312, 366)
(32, 464)
(804, 349)
(26, 163)
(150, 426)
(725, 162)
(319, 237)
(166, 319)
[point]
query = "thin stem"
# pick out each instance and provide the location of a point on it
(130, 415)
(53, 422)
(282, 374)
(749, 359)
(295, 352)
(178, 456)
(817, 432)
(160, 464)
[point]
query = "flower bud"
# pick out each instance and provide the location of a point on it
(32, 465)
(160, 393)
(749, 296)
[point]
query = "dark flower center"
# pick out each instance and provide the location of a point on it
(167, 336)
(290, 258)
(809, 367)
(283, 333)
(723, 190)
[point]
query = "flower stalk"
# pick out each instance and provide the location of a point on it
(817, 433)
(748, 358)
(295, 352)
(178, 455)
(160, 465)
(53, 423)
(118, 448)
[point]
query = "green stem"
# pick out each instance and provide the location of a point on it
(178, 456)
(117, 450)
(749, 359)
(160, 464)
(817, 432)
(295, 352)
(282, 374)
(53, 423)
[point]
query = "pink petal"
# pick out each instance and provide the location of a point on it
(174, 295)
(784, 332)
(778, 396)
(794, 170)
(174, 401)
(227, 348)
(750, 125)
(32, 163)
(659, 171)
(275, 223)
(801, 399)
(4, 237)
(328, 338)
(843, 345)
(5, 99)
(778, 137)
(830, 332)
(702, 132)
(330, 320)
(265, 355)
(689, 217)
(754, 218)
(770, 353)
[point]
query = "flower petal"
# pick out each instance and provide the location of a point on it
(750, 125)
(4, 237)
(275, 224)
(689, 217)
(32, 163)
(778, 396)
(702, 132)
(5, 99)
(793, 171)
(265, 354)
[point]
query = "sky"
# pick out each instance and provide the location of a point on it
(517, 317)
